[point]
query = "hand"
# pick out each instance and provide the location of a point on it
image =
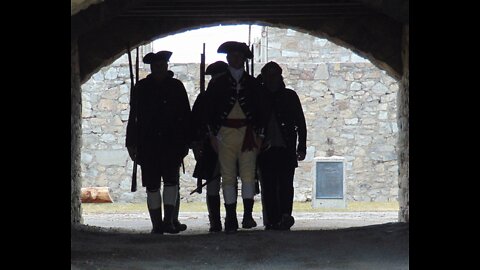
(214, 143)
(132, 152)
(300, 155)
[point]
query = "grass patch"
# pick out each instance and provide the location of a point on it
(92, 208)
(351, 207)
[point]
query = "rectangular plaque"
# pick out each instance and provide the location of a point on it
(329, 182)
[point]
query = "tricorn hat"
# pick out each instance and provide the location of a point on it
(156, 57)
(235, 46)
(215, 68)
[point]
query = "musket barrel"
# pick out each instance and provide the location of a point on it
(252, 61)
(136, 66)
(202, 70)
(132, 85)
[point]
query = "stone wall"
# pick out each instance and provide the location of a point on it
(75, 135)
(404, 130)
(349, 104)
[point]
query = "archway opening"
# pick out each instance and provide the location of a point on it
(349, 104)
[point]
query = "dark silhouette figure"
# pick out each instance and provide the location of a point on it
(234, 124)
(280, 154)
(158, 137)
(207, 166)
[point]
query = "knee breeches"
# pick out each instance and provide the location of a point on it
(230, 156)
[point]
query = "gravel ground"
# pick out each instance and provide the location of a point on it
(327, 240)
(197, 222)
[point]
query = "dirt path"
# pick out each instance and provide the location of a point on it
(345, 240)
(197, 222)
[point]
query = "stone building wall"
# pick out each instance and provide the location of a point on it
(75, 135)
(349, 105)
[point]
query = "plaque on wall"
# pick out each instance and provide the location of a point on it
(329, 180)
(329, 184)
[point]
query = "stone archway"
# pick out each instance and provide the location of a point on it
(100, 33)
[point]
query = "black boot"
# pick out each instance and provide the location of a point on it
(156, 218)
(213, 204)
(248, 221)
(179, 226)
(168, 225)
(231, 222)
(286, 223)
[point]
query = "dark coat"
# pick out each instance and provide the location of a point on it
(159, 123)
(212, 107)
(286, 106)
(221, 95)
(205, 164)
(198, 119)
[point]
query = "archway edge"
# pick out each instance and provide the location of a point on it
(376, 38)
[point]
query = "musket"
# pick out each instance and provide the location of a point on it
(202, 89)
(246, 60)
(257, 185)
(253, 55)
(200, 186)
(136, 66)
(202, 70)
(132, 85)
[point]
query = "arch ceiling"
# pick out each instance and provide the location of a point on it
(370, 28)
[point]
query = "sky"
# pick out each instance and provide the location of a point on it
(188, 46)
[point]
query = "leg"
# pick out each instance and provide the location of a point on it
(154, 198)
(247, 166)
(230, 198)
(262, 198)
(179, 226)
(154, 205)
(170, 194)
(228, 149)
(213, 205)
(286, 192)
(269, 173)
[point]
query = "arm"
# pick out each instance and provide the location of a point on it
(301, 128)
(259, 103)
(132, 124)
(208, 114)
(186, 116)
